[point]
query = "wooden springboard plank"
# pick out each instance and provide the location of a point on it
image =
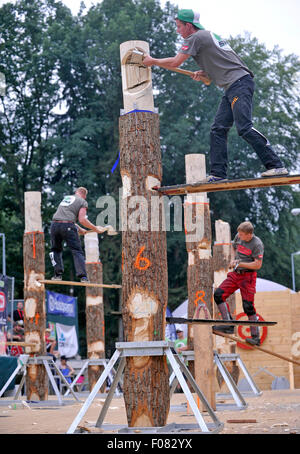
(82, 284)
(230, 185)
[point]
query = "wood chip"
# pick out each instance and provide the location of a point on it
(240, 421)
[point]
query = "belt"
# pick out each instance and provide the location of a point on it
(65, 222)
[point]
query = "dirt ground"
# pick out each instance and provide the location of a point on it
(273, 412)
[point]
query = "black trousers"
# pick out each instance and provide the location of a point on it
(60, 232)
(236, 107)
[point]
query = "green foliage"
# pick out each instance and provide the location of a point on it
(59, 130)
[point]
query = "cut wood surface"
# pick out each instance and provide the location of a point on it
(230, 185)
(82, 284)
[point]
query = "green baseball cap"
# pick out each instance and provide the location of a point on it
(188, 15)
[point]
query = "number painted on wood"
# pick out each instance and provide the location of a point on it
(142, 263)
(199, 297)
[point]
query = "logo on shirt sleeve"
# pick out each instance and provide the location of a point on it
(184, 47)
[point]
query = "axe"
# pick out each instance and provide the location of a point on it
(136, 57)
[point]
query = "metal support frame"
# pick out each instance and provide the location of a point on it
(47, 361)
(22, 360)
(155, 348)
(218, 360)
(94, 362)
(236, 357)
(237, 396)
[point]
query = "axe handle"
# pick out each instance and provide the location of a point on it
(182, 71)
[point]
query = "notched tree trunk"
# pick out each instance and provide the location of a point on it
(95, 328)
(145, 279)
(34, 312)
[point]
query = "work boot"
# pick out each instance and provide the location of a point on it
(253, 340)
(226, 329)
(213, 179)
(275, 172)
(56, 277)
(84, 279)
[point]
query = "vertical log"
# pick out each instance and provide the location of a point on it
(144, 257)
(200, 276)
(222, 255)
(34, 294)
(95, 329)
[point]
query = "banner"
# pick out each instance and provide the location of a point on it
(3, 301)
(59, 304)
(67, 340)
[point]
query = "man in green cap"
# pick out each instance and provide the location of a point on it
(218, 63)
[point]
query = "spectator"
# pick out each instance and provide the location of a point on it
(66, 369)
(50, 345)
(18, 314)
(181, 341)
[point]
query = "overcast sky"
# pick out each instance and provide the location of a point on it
(272, 22)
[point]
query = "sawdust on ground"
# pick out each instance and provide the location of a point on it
(274, 412)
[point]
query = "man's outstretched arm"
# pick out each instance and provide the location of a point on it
(175, 62)
(168, 63)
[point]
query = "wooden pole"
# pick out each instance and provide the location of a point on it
(237, 339)
(95, 334)
(34, 295)
(200, 277)
(144, 257)
(222, 256)
(19, 344)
